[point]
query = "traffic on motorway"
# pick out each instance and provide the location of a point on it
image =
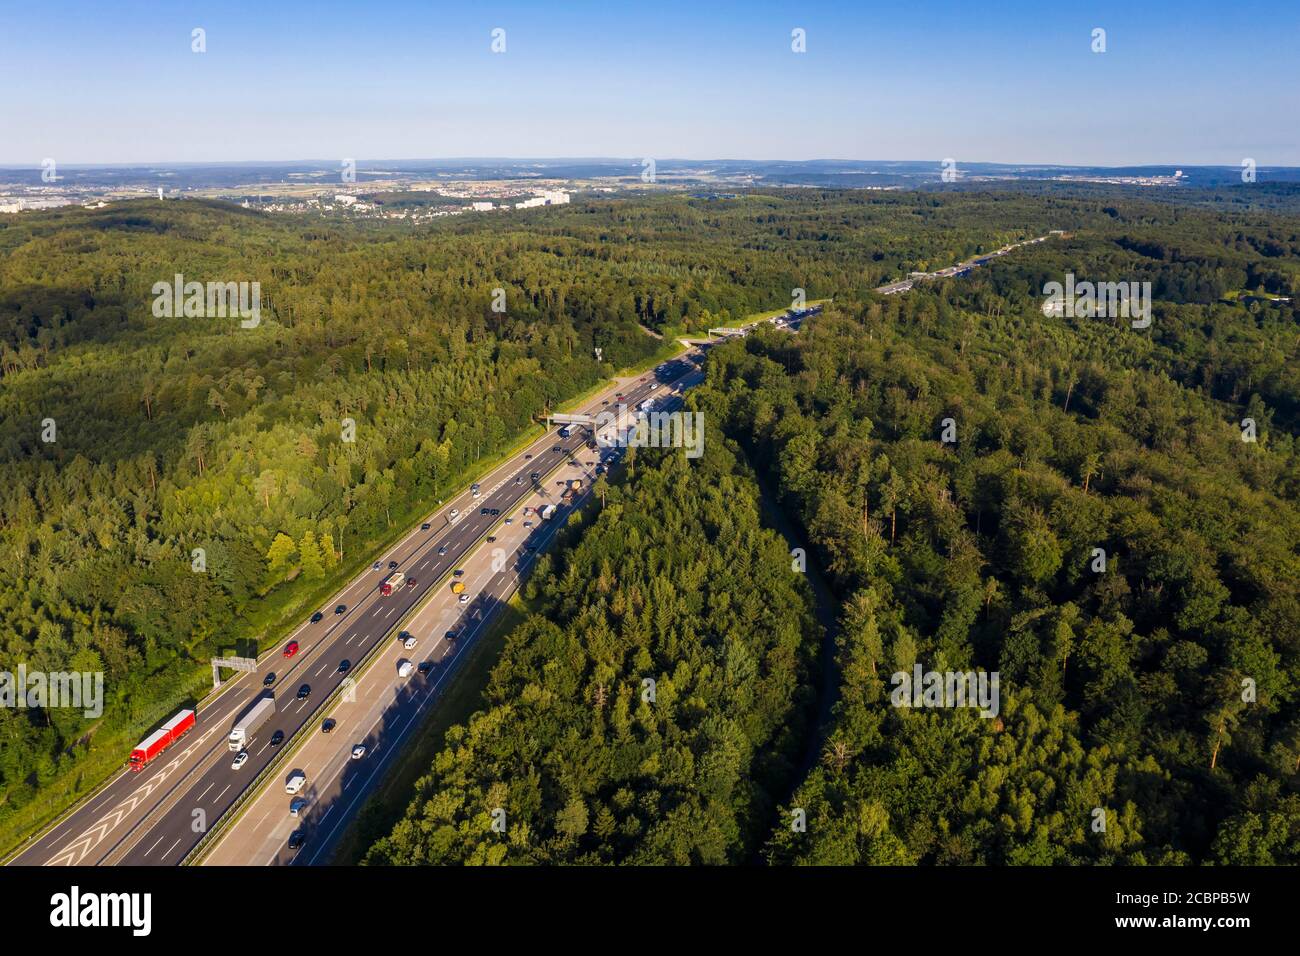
(157, 815)
(339, 782)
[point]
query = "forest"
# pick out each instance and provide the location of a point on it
(649, 709)
(1121, 690)
(1148, 710)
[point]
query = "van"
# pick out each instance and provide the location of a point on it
(297, 780)
(404, 669)
(409, 643)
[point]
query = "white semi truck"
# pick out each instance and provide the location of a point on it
(252, 721)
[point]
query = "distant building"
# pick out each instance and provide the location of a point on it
(482, 207)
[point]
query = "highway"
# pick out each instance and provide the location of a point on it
(386, 707)
(157, 816)
(960, 269)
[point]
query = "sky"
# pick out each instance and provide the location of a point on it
(116, 81)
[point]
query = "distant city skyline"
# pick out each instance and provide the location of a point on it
(1193, 83)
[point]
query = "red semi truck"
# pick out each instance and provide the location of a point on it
(161, 739)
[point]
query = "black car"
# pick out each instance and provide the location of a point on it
(304, 691)
(327, 725)
(528, 456)
(318, 616)
(482, 511)
(425, 667)
(269, 679)
(442, 549)
(277, 738)
(458, 573)
(558, 448)
(425, 526)
(535, 475)
(491, 538)
(495, 512)
(450, 635)
(345, 665)
(392, 565)
(340, 608)
(296, 839)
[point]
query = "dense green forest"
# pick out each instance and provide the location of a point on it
(648, 710)
(1121, 690)
(176, 434)
(1149, 707)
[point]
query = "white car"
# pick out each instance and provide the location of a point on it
(464, 599)
(358, 751)
(453, 514)
(404, 669)
(475, 492)
(241, 758)
(654, 386)
(409, 642)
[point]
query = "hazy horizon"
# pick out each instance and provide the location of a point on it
(300, 160)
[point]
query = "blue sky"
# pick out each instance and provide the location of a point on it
(115, 81)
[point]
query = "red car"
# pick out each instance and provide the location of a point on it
(291, 649)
